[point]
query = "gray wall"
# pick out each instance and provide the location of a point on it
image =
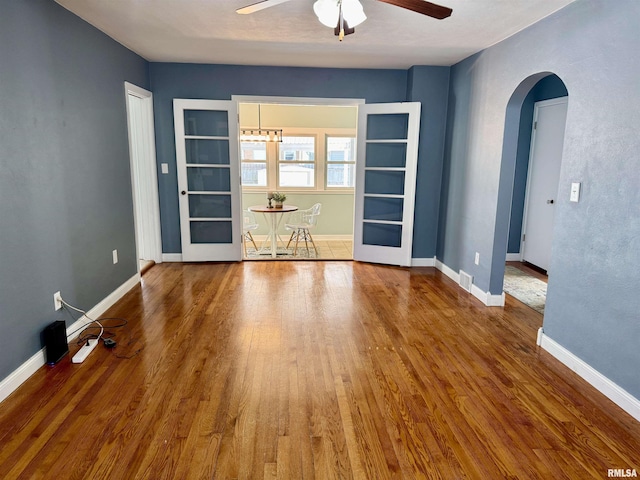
(220, 82)
(592, 302)
(65, 188)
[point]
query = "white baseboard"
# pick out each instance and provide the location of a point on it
(28, 368)
(103, 306)
(485, 297)
(22, 373)
(452, 274)
(423, 262)
(172, 257)
(514, 257)
(604, 385)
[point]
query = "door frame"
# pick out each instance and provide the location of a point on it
(527, 199)
(311, 101)
(144, 178)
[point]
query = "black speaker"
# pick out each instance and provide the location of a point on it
(55, 341)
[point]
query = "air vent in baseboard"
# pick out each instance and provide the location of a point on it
(465, 281)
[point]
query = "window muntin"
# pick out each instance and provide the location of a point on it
(340, 161)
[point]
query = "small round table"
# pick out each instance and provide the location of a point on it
(273, 220)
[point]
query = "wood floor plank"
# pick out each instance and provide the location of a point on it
(308, 370)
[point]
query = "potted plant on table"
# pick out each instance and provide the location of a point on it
(279, 198)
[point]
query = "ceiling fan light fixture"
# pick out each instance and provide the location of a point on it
(328, 12)
(353, 12)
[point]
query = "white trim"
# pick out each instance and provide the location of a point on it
(337, 102)
(514, 257)
(172, 257)
(144, 176)
(452, 274)
(604, 385)
(22, 373)
(485, 297)
(28, 368)
(423, 262)
(103, 306)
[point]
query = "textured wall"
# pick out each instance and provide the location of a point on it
(220, 82)
(65, 186)
(592, 303)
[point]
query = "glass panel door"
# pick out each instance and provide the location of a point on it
(385, 182)
(208, 179)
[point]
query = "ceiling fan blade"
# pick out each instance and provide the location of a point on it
(256, 7)
(422, 6)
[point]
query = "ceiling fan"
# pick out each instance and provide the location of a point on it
(344, 15)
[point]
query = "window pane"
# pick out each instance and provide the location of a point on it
(254, 151)
(254, 174)
(341, 175)
(300, 149)
(341, 149)
(387, 126)
(297, 175)
(206, 122)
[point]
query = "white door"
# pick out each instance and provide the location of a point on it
(208, 179)
(386, 182)
(144, 180)
(542, 180)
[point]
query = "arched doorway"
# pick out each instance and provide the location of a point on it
(514, 169)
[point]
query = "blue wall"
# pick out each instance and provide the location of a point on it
(592, 304)
(65, 184)
(547, 88)
(220, 82)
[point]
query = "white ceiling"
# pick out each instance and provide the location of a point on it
(209, 31)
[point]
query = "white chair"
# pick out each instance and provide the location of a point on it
(300, 223)
(248, 223)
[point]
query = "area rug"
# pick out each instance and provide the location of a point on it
(282, 254)
(529, 290)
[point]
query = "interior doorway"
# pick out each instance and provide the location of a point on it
(515, 179)
(304, 149)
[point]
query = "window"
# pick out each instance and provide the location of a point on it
(341, 162)
(318, 159)
(296, 162)
(254, 164)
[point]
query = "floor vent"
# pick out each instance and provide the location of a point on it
(465, 281)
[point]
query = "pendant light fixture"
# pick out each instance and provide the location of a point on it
(260, 134)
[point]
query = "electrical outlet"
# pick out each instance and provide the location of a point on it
(477, 260)
(115, 256)
(57, 301)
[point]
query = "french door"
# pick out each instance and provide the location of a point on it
(386, 182)
(208, 179)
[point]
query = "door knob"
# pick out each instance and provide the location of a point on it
(184, 193)
(550, 201)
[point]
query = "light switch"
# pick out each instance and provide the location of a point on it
(575, 192)
(164, 168)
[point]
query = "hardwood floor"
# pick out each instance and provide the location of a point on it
(313, 370)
